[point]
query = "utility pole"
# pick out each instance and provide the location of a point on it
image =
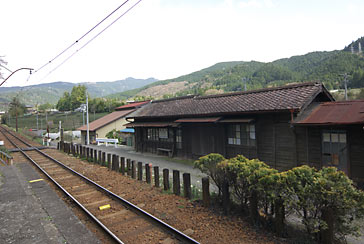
(88, 128)
(244, 81)
(346, 85)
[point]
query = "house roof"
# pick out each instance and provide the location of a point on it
(334, 113)
(296, 97)
(131, 105)
(107, 119)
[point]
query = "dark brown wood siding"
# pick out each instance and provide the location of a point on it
(265, 140)
(356, 152)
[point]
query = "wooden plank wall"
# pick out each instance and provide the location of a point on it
(356, 152)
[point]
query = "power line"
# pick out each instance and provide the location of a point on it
(88, 42)
(79, 39)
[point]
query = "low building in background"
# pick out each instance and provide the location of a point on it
(113, 121)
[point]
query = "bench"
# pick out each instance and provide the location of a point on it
(169, 151)
(106, 141)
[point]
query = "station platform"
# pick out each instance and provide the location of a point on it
(31, 212)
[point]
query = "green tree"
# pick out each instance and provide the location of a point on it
(64, 103)
(44, 107)
(78, 96)
(16, 109)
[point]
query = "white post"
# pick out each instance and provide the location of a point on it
(88, 127)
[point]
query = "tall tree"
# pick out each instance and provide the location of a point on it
(64, 103)
(16, 109)
(78, 96)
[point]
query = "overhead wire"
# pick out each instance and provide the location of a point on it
(93, 38)
(84, 35)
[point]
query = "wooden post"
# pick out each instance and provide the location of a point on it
(279, 214)
(99, 157)
(166, 179)
(58, 145)
(87, 153)
(148, 173)
(78, 149)
(206, 192)
(176, 183)
(117, 163)
(187, 185)
(92, 154)
(122, 162)
(128, 166)
(156, 176)
(109, 160)
(103, 159)
(225, 197)
(95, 156)
(140, 171)
(133, 169)
(327, 235)
(253, 207)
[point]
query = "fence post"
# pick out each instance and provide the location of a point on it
(166, 179)
(133, 169)
(156, 176)
(99, 157)
(187, 185)
(148, 168)
(140, 171)
(225, 197)
(122, 162)
(116, 163)
(103, 160)
(206, 192)
(109, 160)
(95, 156)
(176, 183)
(92, 154)
(128, 172)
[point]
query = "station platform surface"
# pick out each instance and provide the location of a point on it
(33, 212)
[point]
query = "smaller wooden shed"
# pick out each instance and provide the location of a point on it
(332, 134)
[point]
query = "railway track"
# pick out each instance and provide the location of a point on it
(120, 219)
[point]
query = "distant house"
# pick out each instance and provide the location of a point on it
(283, 126)
(113, 121)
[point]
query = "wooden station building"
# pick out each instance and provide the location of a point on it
(271, 124)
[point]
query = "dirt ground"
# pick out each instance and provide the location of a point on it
(204, 225)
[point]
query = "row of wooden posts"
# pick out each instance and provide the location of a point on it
(135, 170)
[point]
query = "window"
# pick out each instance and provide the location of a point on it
(179, 138)
(334, 149)
(152, 134)
(241, 134)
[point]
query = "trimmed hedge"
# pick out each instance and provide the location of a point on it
(326, 200)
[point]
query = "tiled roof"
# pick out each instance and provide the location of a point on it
(107, 119)
(335, 113)
(265, 100)
(131, 105)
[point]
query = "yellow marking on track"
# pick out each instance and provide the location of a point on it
(32, 181)
(107, 206)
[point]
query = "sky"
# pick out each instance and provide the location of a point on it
(164, 38)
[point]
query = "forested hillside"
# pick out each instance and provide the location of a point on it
(51, 92)
(326, 67)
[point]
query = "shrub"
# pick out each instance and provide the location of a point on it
(208, 165)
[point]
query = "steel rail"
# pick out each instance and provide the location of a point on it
(63, 189)
(179, 235)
